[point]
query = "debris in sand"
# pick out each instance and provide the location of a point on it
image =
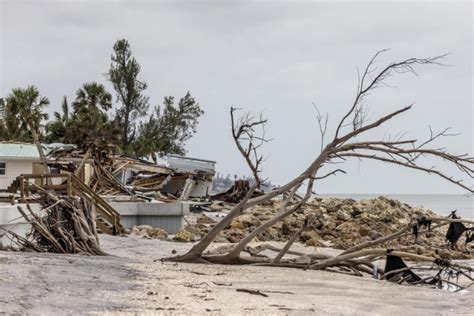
(222, 283)
(254, 292)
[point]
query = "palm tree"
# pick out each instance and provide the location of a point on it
(90, 124)
(56, 130)
(29, 105)
(65, 116)
(93, 95)
(12, 127)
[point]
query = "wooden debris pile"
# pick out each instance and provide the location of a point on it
(116, 175)
(146, 182)
(104, 182)
(63, 225)
(236, 193)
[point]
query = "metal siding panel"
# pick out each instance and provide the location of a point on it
(169, 223)
(129, 221)
(176, 223)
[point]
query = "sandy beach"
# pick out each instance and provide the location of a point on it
(133, 280)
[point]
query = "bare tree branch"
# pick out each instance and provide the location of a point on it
(322, 123)
(411, 166)
(330, 174)
(406, 66)
(248, 143)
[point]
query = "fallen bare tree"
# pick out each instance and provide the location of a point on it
(249, 135)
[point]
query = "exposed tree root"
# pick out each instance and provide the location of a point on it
(63, 225)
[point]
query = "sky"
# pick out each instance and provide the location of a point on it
(276, 57)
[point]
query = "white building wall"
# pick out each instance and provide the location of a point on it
(11, 220)
(14, 168)
(202, 188)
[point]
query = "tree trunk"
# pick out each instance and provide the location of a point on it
(125, 131)
(196, 251)
(288, 244)
(35, 136)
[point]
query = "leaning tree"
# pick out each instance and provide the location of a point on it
(345, 144)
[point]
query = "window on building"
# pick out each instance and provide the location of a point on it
(3, 168)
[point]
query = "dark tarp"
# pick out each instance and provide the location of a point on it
(455, 231)
(396, 263)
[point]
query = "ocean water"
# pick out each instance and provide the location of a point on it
(441, 204)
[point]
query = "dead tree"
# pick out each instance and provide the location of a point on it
(345, 144)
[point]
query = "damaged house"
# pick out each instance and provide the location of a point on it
(127, 191)
(194, 178)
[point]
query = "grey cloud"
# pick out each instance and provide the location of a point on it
(278, 57)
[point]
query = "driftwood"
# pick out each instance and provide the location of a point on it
(254, 292)
(63, 225)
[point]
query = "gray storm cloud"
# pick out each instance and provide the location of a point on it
(275, 57)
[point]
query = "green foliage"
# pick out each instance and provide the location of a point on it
(88, 124)
(56, 130)
(168, 127)
(91, 127)
(23, 114)
(12, 128)
(123, 74)
(93, 95)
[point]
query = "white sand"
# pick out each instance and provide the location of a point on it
(132, 282)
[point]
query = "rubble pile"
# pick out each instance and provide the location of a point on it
(104, 182)
(145, 181)
(148, 232)
(341, 223)
(117, 176)
(183, 235)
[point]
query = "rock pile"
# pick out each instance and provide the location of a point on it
(183, 236)
(342, 223)
(149, 232)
